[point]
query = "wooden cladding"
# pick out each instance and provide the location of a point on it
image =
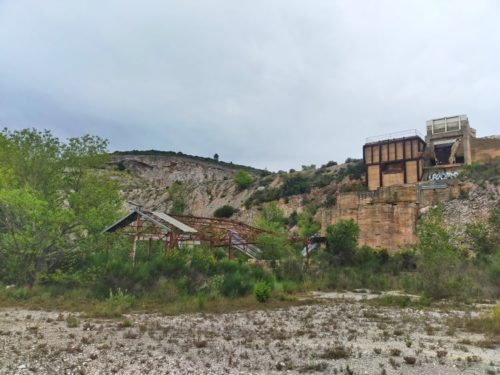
(393, 162)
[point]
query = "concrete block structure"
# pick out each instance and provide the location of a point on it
(449, 141)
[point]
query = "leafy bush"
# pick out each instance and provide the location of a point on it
(329, 164)
(225, 211)
(439, 262)
(294, 185)
(342, 241)
(481, 172)
(242, 179)
(262, 291)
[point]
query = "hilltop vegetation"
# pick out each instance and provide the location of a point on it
(214, 160)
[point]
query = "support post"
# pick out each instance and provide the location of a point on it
(229, 246)
(136, 238)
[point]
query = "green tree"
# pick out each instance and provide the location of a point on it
(342, 241)
(242, 179)
(484, 237)
(439, 262)
(274, 244)
(177, 194)
(52, 205)
(271, 218)
(306, 223)
(225, 211)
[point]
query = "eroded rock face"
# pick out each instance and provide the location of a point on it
(475, 204)
(203, 186)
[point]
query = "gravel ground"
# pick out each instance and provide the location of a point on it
(339, 336)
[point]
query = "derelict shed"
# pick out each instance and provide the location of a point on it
(394, 159)
(150, 226)
(181, 231)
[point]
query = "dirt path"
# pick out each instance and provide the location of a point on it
(338, 337)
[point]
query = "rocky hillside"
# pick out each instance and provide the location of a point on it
(198, 186)
(185, 184)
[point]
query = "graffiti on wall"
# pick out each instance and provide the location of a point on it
(442, 175)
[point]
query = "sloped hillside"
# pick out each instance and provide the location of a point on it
(198, 186)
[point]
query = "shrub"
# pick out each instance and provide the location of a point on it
(72, 321)
(329, 164)
(225, 211)
(242, 179)
(290, 269)
(342, 240)
(439, 262)
(262, 291)
(294, 185)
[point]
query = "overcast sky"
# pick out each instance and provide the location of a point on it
(274, 84)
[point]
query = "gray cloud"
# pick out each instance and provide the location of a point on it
(269, 83)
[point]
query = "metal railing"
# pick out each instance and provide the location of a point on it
(395, 135)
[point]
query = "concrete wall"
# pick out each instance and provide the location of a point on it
(485, 149)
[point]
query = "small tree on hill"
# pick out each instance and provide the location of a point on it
(242, 179)
(225, 211)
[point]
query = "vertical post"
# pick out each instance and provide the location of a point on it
(149, 246)
(229, 246)
(173, 240)
(136, 238)
(307, 254)
(168, 239)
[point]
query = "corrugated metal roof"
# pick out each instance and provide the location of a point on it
(174, 222)
(129, 218)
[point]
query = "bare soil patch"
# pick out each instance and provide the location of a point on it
(339, 336)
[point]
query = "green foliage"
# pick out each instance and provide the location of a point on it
(290, 269)
(177, 194)
(225, 211)
(271, 218)
(311, 167)
(180, 154)
(261, 196)
(484, 237)
(306, 223)
(329, 164)
(262, 291)
(354, 169)
(118, 302)
(72, 321)
(439, 262)
(52, 205)
(294, 185)
(342, 241)
(274, 246)
(331, 200)
(242, 179)
(482, 172)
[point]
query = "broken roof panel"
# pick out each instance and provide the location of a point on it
(174, 222)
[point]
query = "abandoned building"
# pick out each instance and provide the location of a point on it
(405, 172)
(405, 158)
(185, 231)
(394, 159)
